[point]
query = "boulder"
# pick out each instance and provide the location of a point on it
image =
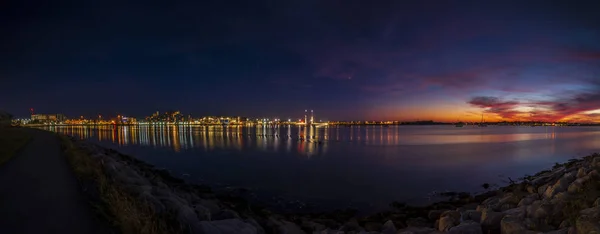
(561, 185)
(203, 213)
(543, 211)
(227, 226)
(452, 213)
(414, 230)
(259, 229)
(187, 215)
(577, 185)
(491, 203)
(542, 189)
(593, 174)
(518, 213)
(282, 226)
(560, 231)
(448, 219)
(467, 227)
(565, 224)
(434, 214)
(581, 172)
(596, 162)
(526, 201)
(512, 225)
(351, 226)
(373, 226)
(588, 221)
(225, 214)
(290, 228)
(388, 227)
(472, 215)
(530, 224)
(531, 189)
(491, 219)
(211, 205)
(446, 222)
(530, 209)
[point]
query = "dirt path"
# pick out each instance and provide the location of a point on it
(39, 192)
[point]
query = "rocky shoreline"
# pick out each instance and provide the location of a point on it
(561, 200)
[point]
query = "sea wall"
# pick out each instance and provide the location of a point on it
(561, 200)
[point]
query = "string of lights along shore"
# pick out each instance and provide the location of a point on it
(177, 118)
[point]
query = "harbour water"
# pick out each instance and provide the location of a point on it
(366, 167)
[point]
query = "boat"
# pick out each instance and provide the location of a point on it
(482, 124)
(459, 125)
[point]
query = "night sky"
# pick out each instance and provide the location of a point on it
(347, 60)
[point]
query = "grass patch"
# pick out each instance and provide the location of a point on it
(120, 208)
(11, 140)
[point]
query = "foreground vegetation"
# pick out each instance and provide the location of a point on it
(11, 140)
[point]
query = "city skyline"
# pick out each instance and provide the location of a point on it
(351, 60)
(308, 117)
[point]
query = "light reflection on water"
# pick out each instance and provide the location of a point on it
(366, 164)
(307, 141)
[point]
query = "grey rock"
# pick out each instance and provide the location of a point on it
(418, 222)
(565, 224)
(350, 226)
(542, 189)
(452, 213)
(388, 227)
(373, 226)
(594, 174)
(467, 227)
(544, 210)
(561, 185)
(512, 225)
(259, 229)
(434, 214)
(203, 213)
(581, 172)
(526, 201)
(597, 202)
(187, 215)
(531, 189)
(596, 162)
(560, 231)
(472, 215)
(518, 212)
(414, 230)
(446, 222)
(282, 226)
(225, 214)
(491, 219)
(211, 205)
(530, 209)
(577, 185)
(588, 221)
(227, 226)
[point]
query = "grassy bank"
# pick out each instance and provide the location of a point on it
(11, 140)
(109, 199)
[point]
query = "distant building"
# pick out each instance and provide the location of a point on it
(48, 117)
(5, 119)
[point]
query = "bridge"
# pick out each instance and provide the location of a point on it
(312, 120)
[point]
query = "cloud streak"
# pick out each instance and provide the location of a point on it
(572, 105)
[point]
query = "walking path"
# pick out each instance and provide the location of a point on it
(40, 194)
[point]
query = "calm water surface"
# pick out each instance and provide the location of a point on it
(367, 166)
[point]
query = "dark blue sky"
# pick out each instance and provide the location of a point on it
(438, 60)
